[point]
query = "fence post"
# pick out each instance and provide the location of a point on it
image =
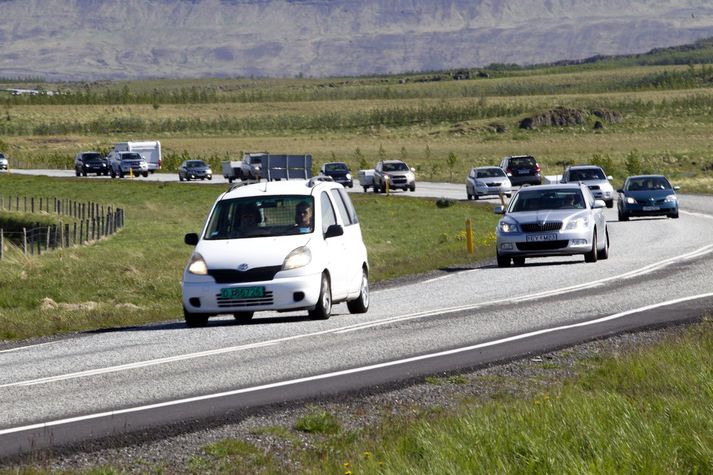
(24, 241)
(2, 243)
(47, 242)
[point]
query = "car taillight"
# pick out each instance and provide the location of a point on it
(537, 167)
(159, 163)
(508, 170)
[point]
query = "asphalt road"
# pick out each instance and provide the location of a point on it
(102, 383)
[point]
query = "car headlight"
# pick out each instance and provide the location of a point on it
(196, 265)
(579, 223)
(671, 198)
(299, 257)
(507, 227)
(349, 176)
(209, 171)
(630, 200)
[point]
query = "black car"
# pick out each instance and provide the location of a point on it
(194, 170)
(90, 162)
(340, 172)
(522, 170)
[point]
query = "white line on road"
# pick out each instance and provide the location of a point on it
(522, 336)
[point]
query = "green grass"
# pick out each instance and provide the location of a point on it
(134, 276)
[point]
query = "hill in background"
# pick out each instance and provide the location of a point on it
(120, 39)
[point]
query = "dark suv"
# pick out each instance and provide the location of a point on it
(90, 162)
(522, 170)
(340, 172)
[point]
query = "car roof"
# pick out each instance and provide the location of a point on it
(554, 186)
(335, 163)
(519, 156)
(277, 188)
(583, 167)
(392, 161)
(646, 176)
(487, 167)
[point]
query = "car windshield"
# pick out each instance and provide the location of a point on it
(648, 183)
(335, 167)
(258, 216)
(195, 164)
(130, 156)
(92, 157)
(490, 173)
(547, 200)
(585, 174)
(395, 167)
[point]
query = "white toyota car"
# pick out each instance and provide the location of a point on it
(277, 245)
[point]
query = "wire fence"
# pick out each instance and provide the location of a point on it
(89, 221)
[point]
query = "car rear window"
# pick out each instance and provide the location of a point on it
(523, 162)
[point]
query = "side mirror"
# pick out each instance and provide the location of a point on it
(610, 178)
(333, 231)
(413, 170)
(676, 187)
(191, 239)
(499, 210)
(599, 204)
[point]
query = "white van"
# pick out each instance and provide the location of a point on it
(149, 150)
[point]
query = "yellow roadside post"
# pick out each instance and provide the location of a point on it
(469, 236)
(502, 199)
(131, 173)
(386, 183)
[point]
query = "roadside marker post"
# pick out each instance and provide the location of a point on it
(131, 173)
(502, 199)
(469, 236)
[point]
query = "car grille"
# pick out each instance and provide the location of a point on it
(493, 184)
(542, 246)
(651, 203)
(232, 276)
(397, 180)
(539, 227)
(246, 302)
(593, 187)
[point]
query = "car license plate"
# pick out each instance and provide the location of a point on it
(242, 292)
(650, 208)
(541, 237)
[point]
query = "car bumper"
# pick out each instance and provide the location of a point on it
(283, 294)
(556, 243)
(493, 190)
(526, 180)
(653, 210)
(195, 176)
(3, 166)
(603, 195)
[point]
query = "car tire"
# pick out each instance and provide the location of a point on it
(361, 303)
(323, 309)
(195, 320)
(121, 174)
(106, 173)
(77, 172)
(470, 197)
(518, 261)
(113, 174)
(591, 256)
(145, 174)
(243, 316)
(366, 189)
(623, 216)
(210, 177)
(673, 215)
(375, 189)
(476, 197)
(503, 261)
(84, 173)
(180, 178)
(603, 253)
(609, 203)
(412, 187)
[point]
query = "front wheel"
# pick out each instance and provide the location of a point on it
(323, 309)
(361, 303)
(604, 252)
(610, 203)
(366, 188)
(503, 261)
(674, 215)
(518, 261)
(412, 187)
(592, 255)
(195, 320)
(623, 216)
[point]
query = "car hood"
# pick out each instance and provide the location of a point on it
(495, 179)
(600, 183)
(255, 252)
(546, 216)
(647, 194)
(337, 174)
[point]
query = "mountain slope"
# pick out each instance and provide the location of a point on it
(90, 39)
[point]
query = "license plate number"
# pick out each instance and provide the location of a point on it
(242, 292)
(542, 237)
(651, 208)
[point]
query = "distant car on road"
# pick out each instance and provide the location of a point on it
(484, 181)
(647, 195)
(397, 173)
(194, 170)
(4, 162)
(551, 220)
(127, 163)
(522, 170)
(595, 178)
(340, 172)
(90, 162)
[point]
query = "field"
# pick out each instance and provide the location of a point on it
(643, 413)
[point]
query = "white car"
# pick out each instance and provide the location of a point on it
(484, 181)
(595, 178)
(278, 245)
(4, 165)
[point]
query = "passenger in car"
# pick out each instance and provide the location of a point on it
(303, 217)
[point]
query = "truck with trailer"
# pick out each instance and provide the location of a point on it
(150, 150)
(254, 166)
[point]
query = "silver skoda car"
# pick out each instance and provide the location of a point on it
(551, 220)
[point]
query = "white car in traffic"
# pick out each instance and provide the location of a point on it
(278, 245)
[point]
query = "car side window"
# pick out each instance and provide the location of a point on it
(328, 216)
(346, 210)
